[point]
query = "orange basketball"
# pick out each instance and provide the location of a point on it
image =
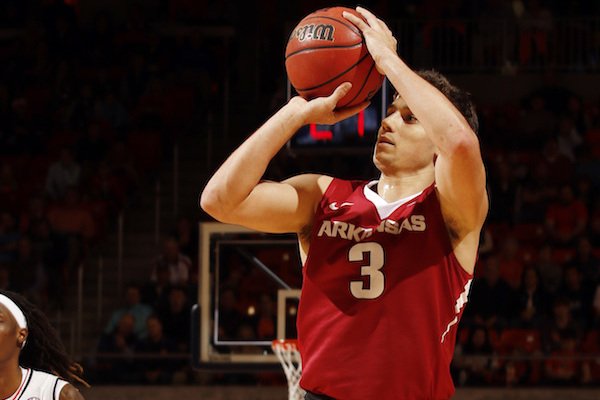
(325, 50)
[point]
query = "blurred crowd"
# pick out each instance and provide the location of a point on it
(537, 286)
(88, 115)
(147, 339)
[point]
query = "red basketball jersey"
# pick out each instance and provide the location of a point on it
(381, 297)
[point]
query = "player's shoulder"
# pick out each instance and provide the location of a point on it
(41, 377)
(44, 385)
(70, 392)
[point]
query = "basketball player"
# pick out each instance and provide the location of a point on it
(388, 263)
(33, 361)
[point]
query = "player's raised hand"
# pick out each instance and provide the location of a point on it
(378, 37)
(323, 110)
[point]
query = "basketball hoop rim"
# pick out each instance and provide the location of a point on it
(284, 343)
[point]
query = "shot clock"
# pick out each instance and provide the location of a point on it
(356, 134)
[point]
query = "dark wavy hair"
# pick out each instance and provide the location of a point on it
(44, 350)
(458, 97)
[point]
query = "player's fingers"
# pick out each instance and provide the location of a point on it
(359, 22)
(341, 91)
(372, 19)
(369, 16)
(343, 113)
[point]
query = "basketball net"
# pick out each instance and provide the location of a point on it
(289, 356)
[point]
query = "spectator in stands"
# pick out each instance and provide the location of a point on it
(156, 293)
(569, 139)
(115, 349)
(474, 362)
(155, 370)
(62, 174)
(591, 366)
(70, 218)
(73, 227)
(578, 294)
(585, 259)
(29, 273)
(51, 249)
(530, 301)
(186, 234)
(490, 297)
(576, 112)
(495, 24)
(179, 265)
(108, 187)
(92, 148)
(101, 40)
(563, 368)
(535, 25)
(550, 271)
(176, 318)
(566, 218)
(560, 168)
(80, 109)
(122, 166)
(534, 194)
(230, 317)
(503, 190)
(561, 321)
(108, 108)
(133, 307)
(36, 211)
(535, 122)
(510, 263)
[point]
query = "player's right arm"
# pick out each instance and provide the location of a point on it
(235, 193)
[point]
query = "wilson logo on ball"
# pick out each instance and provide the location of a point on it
(314, 32)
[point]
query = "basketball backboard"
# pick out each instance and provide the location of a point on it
(249, 286)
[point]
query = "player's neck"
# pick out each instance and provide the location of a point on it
(392, 188)
(10, 379)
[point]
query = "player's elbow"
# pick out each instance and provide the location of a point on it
(211, 203)
(464, 143)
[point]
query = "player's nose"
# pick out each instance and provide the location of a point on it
(385, 125)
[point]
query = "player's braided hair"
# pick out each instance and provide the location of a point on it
(458, 97)
(44, 350)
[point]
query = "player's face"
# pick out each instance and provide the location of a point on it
(402, 144)
(8, 335)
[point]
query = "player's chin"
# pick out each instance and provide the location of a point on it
(381, 158)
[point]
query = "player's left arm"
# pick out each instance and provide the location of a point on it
(459, 171)
(70, 392)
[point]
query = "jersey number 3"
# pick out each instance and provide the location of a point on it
(376, 257)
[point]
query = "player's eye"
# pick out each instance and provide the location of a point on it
(410, 118)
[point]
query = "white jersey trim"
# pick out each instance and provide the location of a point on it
(460, 302)
(385, 209)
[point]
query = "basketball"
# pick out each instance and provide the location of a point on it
(325, 50)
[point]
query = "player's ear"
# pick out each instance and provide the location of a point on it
(22, 337)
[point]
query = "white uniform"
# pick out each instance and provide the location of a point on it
(38, 385)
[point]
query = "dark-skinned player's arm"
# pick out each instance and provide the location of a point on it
(459, 171)
(235, 193)
(70, 392)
